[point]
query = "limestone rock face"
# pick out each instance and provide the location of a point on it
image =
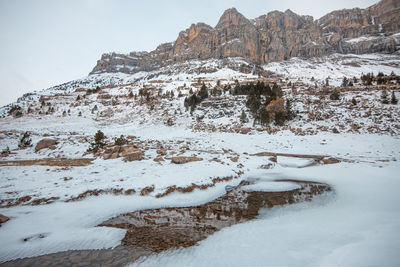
(273, 37)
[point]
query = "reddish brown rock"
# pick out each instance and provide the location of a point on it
(3, 218)
(330, 161)
(127, 150)
(147, 190)
(46, 143)
(158, 159)
(114, 155)
(273, 159)
(182, 160)
(234, 159)
(130, 191)
(106, 156)
(162, 152)
(134, 155)
(245, 130)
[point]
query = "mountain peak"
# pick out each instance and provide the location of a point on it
(231, 17)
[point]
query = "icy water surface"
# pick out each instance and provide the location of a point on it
(156, 230)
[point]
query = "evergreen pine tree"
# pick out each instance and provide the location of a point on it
(288, 108)
(345, 82)
(203, 93)
(384, 97)
(99, 138)
(243, 117)
(25, 141)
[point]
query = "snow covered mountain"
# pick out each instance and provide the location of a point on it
(281, 132)
(273, 37)
(119, 97)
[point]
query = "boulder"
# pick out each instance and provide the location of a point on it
(147, 190)
(234, 159)
(273, 159)
(134, 155)
(330, 161)
(158, 159)
(162, 152)
(126, 150)
(245, 130)
(3, 218)
(46, 143)
(130, 191)
(182, 160)
(114, 155)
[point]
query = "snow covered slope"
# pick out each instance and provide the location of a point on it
(55, 197)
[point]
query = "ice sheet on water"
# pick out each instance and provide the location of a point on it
(271, 186)
(64, 226)
(292, 162)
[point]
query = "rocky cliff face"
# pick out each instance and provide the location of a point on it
(272, 37)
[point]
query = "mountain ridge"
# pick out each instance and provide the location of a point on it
(272, 37)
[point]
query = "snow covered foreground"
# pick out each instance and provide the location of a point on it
(358, 225)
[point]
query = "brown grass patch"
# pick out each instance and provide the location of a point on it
(60, 162)
(39, 201)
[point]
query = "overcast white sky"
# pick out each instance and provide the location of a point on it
(48, 42)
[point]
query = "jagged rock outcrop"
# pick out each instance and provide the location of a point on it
(382, 17)
(272, 37)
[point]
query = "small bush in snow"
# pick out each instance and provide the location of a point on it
(5, 151)
(25, 141)
(335, 95)
(14, 108)
(120, 141)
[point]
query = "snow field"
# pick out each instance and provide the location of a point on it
(356, 226)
